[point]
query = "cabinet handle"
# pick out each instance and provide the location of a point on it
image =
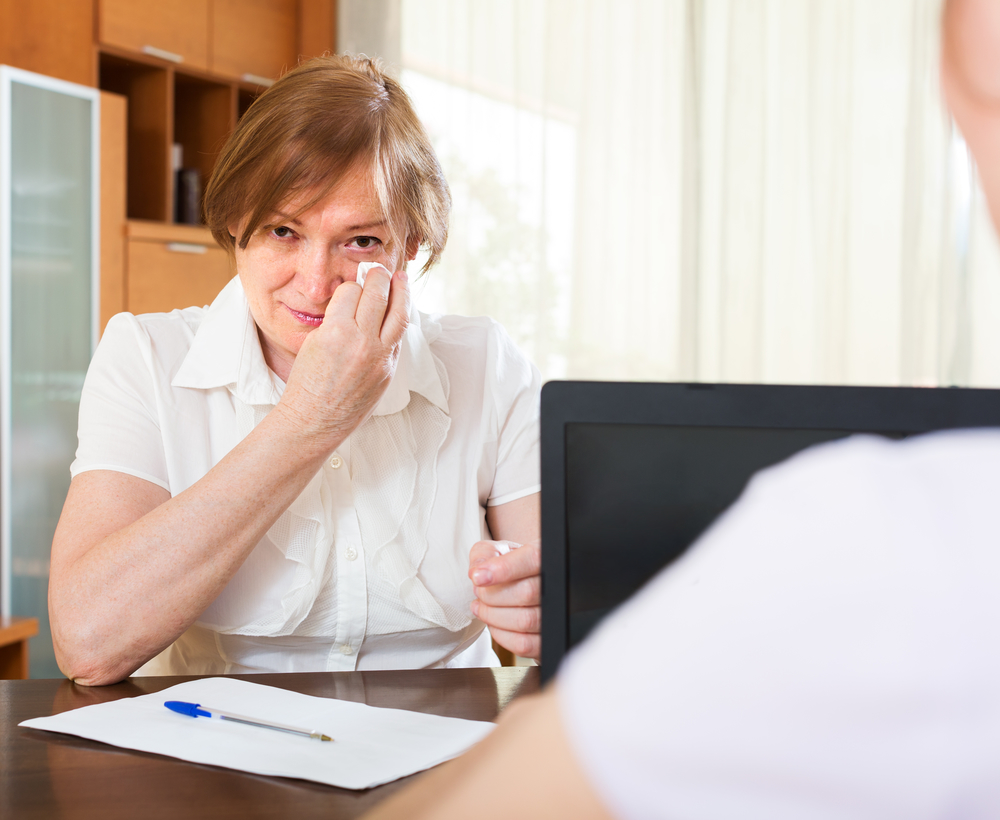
(186, 247)
(256, 79)
(153, 51)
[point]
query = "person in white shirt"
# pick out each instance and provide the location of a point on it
(308, 474)
(829, 649)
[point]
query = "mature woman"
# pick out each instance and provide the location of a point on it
(305, 474)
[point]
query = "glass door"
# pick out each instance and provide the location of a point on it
(49, 215)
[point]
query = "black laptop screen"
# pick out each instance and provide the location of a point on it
(674, 481)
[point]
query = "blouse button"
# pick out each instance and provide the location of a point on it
(345, 649)
(351, 554)
(336, 461)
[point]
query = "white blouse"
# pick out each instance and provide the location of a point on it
(368, 567)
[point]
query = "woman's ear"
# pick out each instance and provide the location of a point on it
(412, 246)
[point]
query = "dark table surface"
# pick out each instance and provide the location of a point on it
(49, 775)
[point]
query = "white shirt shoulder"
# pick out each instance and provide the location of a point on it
(133, 365)
(494, 385)
(827, 650)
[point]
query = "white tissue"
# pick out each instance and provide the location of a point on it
(364, 267)
(503, 547)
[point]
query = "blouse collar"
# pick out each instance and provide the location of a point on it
(226, 352)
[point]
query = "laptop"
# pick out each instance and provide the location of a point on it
(633, 473)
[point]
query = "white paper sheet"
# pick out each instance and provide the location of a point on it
(370, 745)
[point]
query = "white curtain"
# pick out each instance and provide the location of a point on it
(704, 190)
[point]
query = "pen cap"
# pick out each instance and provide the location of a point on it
(189, 709)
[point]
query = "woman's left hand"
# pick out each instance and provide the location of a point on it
(509, 594)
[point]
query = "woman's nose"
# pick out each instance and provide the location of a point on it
(319, 274)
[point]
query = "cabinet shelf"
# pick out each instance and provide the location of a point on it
(169, 105)
(148, 91)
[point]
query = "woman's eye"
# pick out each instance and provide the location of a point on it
(366, 242)
(282, 231)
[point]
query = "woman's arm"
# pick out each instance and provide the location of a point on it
(132, 568)
(525, 768)
(508, 586)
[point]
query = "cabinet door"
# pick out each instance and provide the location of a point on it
(49, 141)
(166, 275)
(254, 39)
(175, 30)
(50, 37)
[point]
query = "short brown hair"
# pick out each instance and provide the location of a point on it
(311, 127)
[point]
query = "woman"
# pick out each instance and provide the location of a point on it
(295, 478)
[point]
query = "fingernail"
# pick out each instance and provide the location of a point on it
(482, 577)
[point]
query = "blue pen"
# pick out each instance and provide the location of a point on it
(197, 710)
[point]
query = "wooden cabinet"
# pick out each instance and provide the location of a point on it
(149, 91)
(177, 31)
(317, 21)
(50, 37)
(254, 40)
(172, 266)
(240, 39)
(14, 635)
(167, 107)
(171, 103)
(113, 130)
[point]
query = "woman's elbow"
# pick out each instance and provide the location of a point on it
(86, 659)
(91, 670)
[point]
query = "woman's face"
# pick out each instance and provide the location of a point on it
(290, 269)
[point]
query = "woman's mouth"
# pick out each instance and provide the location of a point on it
(311, 319)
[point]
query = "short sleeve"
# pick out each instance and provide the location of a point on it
(515, 386)
(118, 425)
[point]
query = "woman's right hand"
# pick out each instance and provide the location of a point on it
(345, 365)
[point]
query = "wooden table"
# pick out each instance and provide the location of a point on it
(48, 775)
(14, 635)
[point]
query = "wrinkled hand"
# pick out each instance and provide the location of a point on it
(345, 365)
(509, 594)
